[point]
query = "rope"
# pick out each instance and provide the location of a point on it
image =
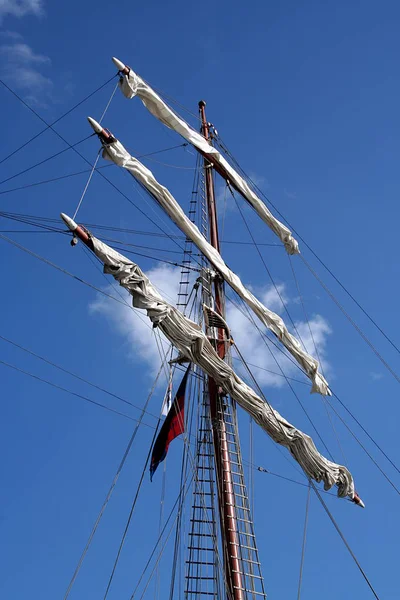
(109, 102)
(52, 364)
(85, 159)
(318, 357)
(54, 122)
(59, 387)
(130, 515)
(354, 324)
(344, 541)
(267, 341)
(87, 184)
(303, 549)
(45, 160)
(311, 250)
(110, 491)
(289, 384)
(266, 268)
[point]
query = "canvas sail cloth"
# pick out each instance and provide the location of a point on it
(192, 343)
(116, 152)
(133, 85)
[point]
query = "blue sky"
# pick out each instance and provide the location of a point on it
(306, 96)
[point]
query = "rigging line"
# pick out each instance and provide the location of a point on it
(291, 388)
(161, 534)
(111, 489)
(317, 257)
(110, 228)
(361, 445)
(160, 519)
(93, 259)
(207, 522)
(113, 241)
(272, 410)
(328, 512)
(54, 122)
(317, 353)
(365, 431)
(59, 387)
(267, 340)
(266, 267)
(52, 364)
(87, 185)
(131, 512)
(146, 194)
(272, 372)
(29, 185)
(364, 448)
(267, 472)
(346, 314)
(173, 166)
(88, 162)
(303, 549)
(164, 260)
(45, 160)
(64, 271)
(183, 477)
(109, 102)
(350, 430)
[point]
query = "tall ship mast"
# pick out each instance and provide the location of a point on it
(209, 538)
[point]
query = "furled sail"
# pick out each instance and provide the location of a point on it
(115, 151)
(133, 85)
(192, 343)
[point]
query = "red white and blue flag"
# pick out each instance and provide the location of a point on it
(173, 426)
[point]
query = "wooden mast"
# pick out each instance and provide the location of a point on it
(226, 496)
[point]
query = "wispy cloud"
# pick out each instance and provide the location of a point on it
(20, 8)
(25, 70)
(268, 357)
(140, 342)
(134, 326)
(375, 376)
(291, 195)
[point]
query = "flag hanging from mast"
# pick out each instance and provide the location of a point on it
(172, 427)
(168, 396)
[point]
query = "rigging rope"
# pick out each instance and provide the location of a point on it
(111, 489)
(345, 462)
(88, 162)
(45, 160)
(328, 512)
(87, 185)
(63, 389)
(69, 111)
(223, 147)
(53, 364)
(303, 549)
(269, 341)
(130, 514)
(354, 324)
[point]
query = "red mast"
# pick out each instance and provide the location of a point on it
(226, 497)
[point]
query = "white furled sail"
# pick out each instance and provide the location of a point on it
(133, 85)
(193, 345)
(115, 151)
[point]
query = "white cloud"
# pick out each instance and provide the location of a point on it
(257, 353)
(20, 8)
(22, 68)
(134, 326)
(376, 376)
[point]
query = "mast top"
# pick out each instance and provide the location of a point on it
(202, 103)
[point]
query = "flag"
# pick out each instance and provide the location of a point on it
(168, 397)
(173, 426)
